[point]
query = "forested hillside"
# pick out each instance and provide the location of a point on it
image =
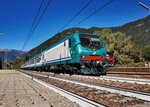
(139, 30)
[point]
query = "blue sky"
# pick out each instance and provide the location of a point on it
(16, 18)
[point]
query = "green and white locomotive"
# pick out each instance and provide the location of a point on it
(78, 53)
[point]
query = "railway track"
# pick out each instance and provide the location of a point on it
(131, 80)
(71, 96)
(127, 92)
(119, 79)
(112, 78)
(132, 72)
(126, 83)
(97, 92)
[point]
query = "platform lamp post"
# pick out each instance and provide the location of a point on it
(144, 6)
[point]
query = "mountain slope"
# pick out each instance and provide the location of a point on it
(139, 30)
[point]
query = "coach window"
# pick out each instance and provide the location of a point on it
(43, 56)
(38, 60)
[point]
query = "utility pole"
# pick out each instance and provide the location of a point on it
(5, 59)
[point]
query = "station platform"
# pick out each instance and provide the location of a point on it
(17, 90)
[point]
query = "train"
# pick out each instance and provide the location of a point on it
(78, 53)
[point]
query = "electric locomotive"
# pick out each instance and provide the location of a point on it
(79, 53)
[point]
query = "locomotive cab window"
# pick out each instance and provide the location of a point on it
(90, 41)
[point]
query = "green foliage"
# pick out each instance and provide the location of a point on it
(121, 44)
(146, 52)
(17, 63)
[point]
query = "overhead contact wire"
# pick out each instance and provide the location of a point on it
(99, 9)
(76, 15)
(35, 24)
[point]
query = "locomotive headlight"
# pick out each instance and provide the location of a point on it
(83, 56)
(107, 56)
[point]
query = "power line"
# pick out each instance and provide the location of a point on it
(39, 19)
(35, 24)
(76, 15)
(99, 9)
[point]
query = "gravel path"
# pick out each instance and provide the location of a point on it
(16, 90)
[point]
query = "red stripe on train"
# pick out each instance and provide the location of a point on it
(92, 58)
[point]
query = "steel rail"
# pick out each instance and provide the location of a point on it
(120, 79)
(71, 96)
(126, 92)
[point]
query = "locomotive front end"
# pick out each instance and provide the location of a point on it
(93, 53)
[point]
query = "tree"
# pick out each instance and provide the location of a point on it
(17, 63)
(121, 44)
(146, 53)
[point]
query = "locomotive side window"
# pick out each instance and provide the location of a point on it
(32, 62)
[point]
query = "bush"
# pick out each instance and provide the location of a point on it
(146, 53)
